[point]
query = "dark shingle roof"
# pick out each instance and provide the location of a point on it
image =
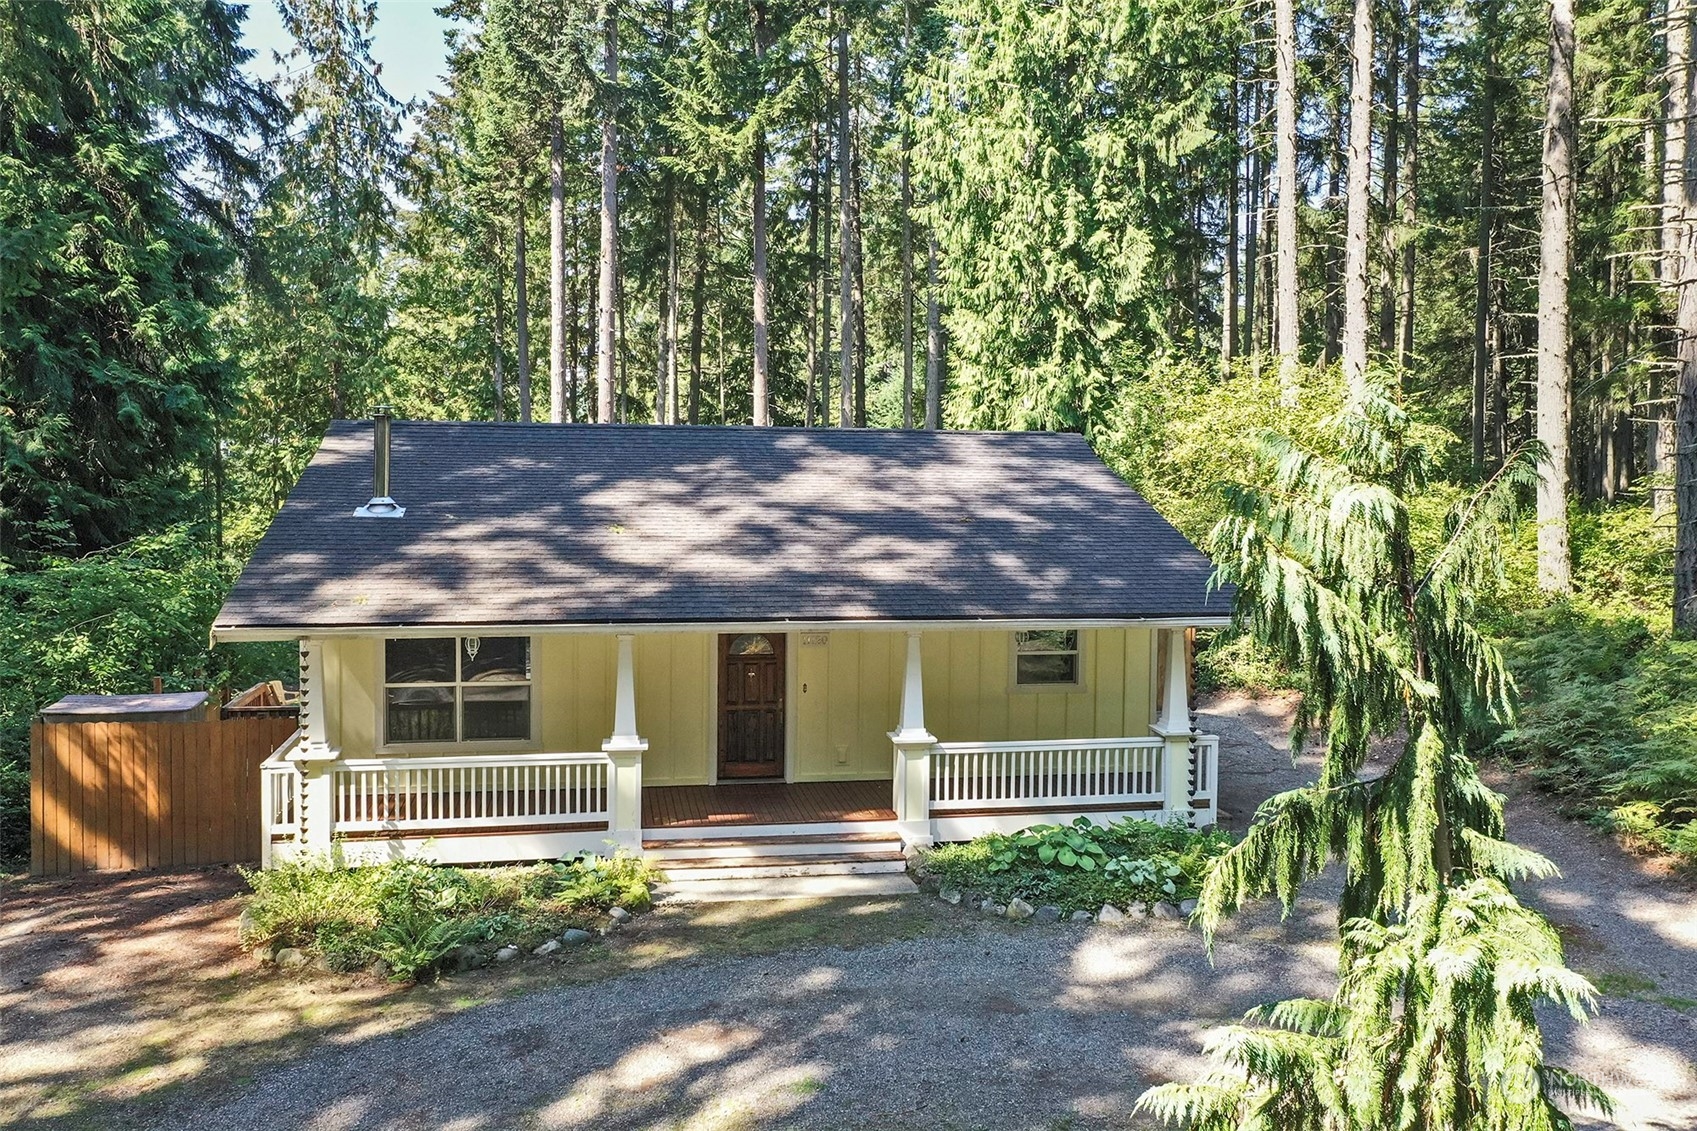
(586, 524)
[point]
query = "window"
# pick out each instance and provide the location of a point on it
(1046, 657)
(457, 689)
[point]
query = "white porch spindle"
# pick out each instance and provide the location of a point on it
(911, 788)
(625, 749)
(1172, 723)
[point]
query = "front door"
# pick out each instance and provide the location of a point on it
(751, 706)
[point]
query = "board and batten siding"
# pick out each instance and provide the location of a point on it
(844, 696)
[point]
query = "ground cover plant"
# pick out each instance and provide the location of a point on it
(1081, 866)
(410, 915)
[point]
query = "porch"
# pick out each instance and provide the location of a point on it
(477, 807)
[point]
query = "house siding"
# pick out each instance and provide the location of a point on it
(844, 696)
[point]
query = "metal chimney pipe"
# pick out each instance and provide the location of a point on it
(381, 505)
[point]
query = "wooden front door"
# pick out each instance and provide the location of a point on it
(751, 706)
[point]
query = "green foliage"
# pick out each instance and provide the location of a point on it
(410, 914)
(1081, 866)
(1433, 1022)
(107, 623)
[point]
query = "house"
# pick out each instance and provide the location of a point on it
(814, 647)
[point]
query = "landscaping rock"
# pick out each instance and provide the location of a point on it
(991, 907)
(379, 969)
(1048, 914)
(619, 915)
(575, 937)
(547, 948)
(1110, 914)
(949, 895)
(1019, 909)
(1165, 910)
(1188, 907)
(506, 954)
(290, 958)
(463, 958)
(245, 924)
(1081, 916)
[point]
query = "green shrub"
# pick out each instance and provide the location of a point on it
(1081, 866)
(410, 914)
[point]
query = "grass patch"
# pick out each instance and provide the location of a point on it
(409, 916)
(1081, 866)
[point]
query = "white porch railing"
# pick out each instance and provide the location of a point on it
(279, 799)
(1205, 767)
(476, 792)
(1046, 774)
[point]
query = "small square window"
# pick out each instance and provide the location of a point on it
(1046, 658)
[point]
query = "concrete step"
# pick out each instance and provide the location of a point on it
(759, 832)
(760, 847)
(878, 885)
(767, 867)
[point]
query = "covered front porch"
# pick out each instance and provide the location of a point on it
(490, 806)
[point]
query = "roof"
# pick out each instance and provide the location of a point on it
(510, 524)
(95, 707)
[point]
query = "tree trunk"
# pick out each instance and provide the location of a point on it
(669, 365)
(1389, 196)
(1252, 210)
(905, 175)
(1410, 183)
(1357, 203)
(1683, 269)
(933, 341)
(809, 405)
(1335, 160)
(1287, 337)
(698, 300)
(825, 322)
(1228, 272)
(497, 336)
(1482, 368)
(521, 312)
(762, 376)
(1555, 252)
(557, 271)
(607, 296)
(845, 226)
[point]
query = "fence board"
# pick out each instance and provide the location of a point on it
(147, 794)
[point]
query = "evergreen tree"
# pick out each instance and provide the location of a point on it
(120, 180)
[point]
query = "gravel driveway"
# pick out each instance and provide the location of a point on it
(975, 1024)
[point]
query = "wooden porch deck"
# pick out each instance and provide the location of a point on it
(765, 803)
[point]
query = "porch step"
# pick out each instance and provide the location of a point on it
(762, 847)
(690, 869)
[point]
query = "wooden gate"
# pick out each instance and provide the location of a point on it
(147, 794)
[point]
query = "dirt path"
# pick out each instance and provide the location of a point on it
(124, 1004)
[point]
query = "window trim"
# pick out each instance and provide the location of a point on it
(481, 745)
(1072, 687)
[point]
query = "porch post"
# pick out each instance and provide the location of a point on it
(912, 781)
(1172, 723)
(314, 756)
(624, 750)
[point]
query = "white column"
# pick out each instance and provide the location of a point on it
(624, 750)
(316, 754)
(911, 788)
(1172, 723)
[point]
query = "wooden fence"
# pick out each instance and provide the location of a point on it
(147, 795)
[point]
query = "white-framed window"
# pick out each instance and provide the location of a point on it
(450, 689)
(1047, 657)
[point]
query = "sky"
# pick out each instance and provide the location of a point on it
(407, 43)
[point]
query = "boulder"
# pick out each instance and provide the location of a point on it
(619, 915)
(1047, 914)
(991, 907)
(949, 895)
(506, 954)
(575, 936)
(246, 924)
(1110, 914)
(290, 958)
(1019, 909)
(547, 948)
(463, 958)
(1188, 907)
(1165, 910)
(1081, 916)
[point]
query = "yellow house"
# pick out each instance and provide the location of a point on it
(761, 650)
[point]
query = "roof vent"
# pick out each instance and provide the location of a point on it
(381, 505)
